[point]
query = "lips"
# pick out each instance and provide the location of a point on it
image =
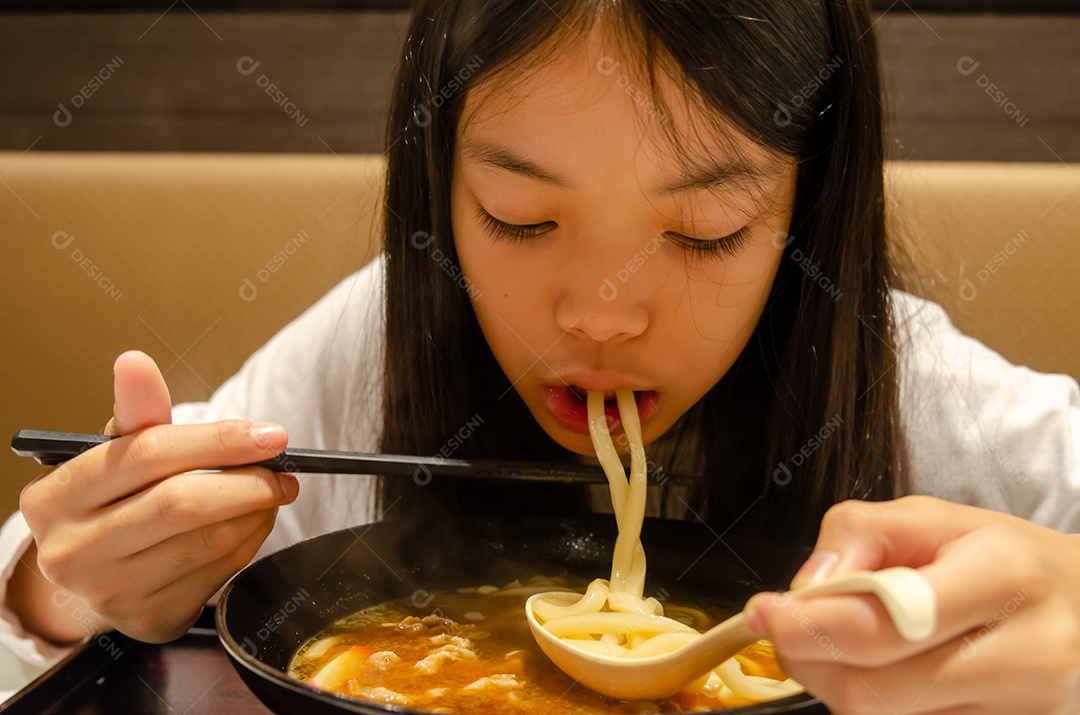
(568, 405)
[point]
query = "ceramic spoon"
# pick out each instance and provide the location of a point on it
(905, 593)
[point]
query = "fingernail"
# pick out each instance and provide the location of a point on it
(818, 567)
(263, 432)
(290, 486)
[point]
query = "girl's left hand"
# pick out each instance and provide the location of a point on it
(1008, 636)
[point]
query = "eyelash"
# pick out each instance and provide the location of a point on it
(727, 245)
(509, 231)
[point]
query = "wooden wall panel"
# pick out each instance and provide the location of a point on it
(179, 89)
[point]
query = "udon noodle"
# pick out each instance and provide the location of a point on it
(613, 617)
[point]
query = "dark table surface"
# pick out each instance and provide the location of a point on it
(191, 675)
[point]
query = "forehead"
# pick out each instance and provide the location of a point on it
(593, 96)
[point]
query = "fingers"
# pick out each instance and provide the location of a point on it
(180, 575)
(905, 532)
(191, 502)
(859, 628)
(1008, 633)
(140, 393)
(125, 465)
(953, 678)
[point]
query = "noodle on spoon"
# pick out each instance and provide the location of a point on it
(613, 618)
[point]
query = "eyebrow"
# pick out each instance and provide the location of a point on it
(694, 178)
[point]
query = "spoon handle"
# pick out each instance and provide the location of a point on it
(906, 594)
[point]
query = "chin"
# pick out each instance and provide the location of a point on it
(576, 443)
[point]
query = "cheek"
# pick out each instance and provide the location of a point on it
(507, 301)
(725, 299)
(717, 312)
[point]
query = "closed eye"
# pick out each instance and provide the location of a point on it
(511, 231)
(728, 245)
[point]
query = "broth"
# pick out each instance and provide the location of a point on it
(470, 651)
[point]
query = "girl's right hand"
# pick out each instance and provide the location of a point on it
(126, 537)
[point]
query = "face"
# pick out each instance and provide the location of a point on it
(600, 257)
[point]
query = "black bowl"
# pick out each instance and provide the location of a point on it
(274, 605)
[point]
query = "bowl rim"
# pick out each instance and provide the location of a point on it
(240, 657)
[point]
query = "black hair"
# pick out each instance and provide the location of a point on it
(808, 414)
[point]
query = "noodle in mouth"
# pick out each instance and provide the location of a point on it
(613, 618)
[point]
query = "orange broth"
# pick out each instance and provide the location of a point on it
(387, 654)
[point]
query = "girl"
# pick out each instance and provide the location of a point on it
(592, 195)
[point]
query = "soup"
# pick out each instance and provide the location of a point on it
(470, 651)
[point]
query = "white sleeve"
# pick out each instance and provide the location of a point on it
(981, 430)
(15, 538)
(320, 377)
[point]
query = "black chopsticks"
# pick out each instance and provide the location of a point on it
(50, 448)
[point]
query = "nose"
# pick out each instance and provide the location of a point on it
(603, 303)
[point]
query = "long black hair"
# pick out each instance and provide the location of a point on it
(808, 414)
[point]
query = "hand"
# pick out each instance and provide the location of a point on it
(1008, 635)
(128, 531)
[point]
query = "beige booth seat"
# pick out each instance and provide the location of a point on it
(199, 259)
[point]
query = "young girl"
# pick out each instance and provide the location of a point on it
(592, 195)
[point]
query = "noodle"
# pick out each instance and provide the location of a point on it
(612, 618)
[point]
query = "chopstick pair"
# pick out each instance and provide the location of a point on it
(51, 448)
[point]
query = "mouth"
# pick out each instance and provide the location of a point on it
(569, 405)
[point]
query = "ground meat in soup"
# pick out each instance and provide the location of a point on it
(474, 654)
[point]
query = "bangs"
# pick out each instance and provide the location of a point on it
(752, 72)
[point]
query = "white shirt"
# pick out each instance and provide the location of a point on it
(979, 430)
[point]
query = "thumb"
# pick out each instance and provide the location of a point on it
(141, 398)
(863, 535)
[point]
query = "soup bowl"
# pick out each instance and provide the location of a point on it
(274, 605)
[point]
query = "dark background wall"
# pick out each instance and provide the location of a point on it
(962, 84)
